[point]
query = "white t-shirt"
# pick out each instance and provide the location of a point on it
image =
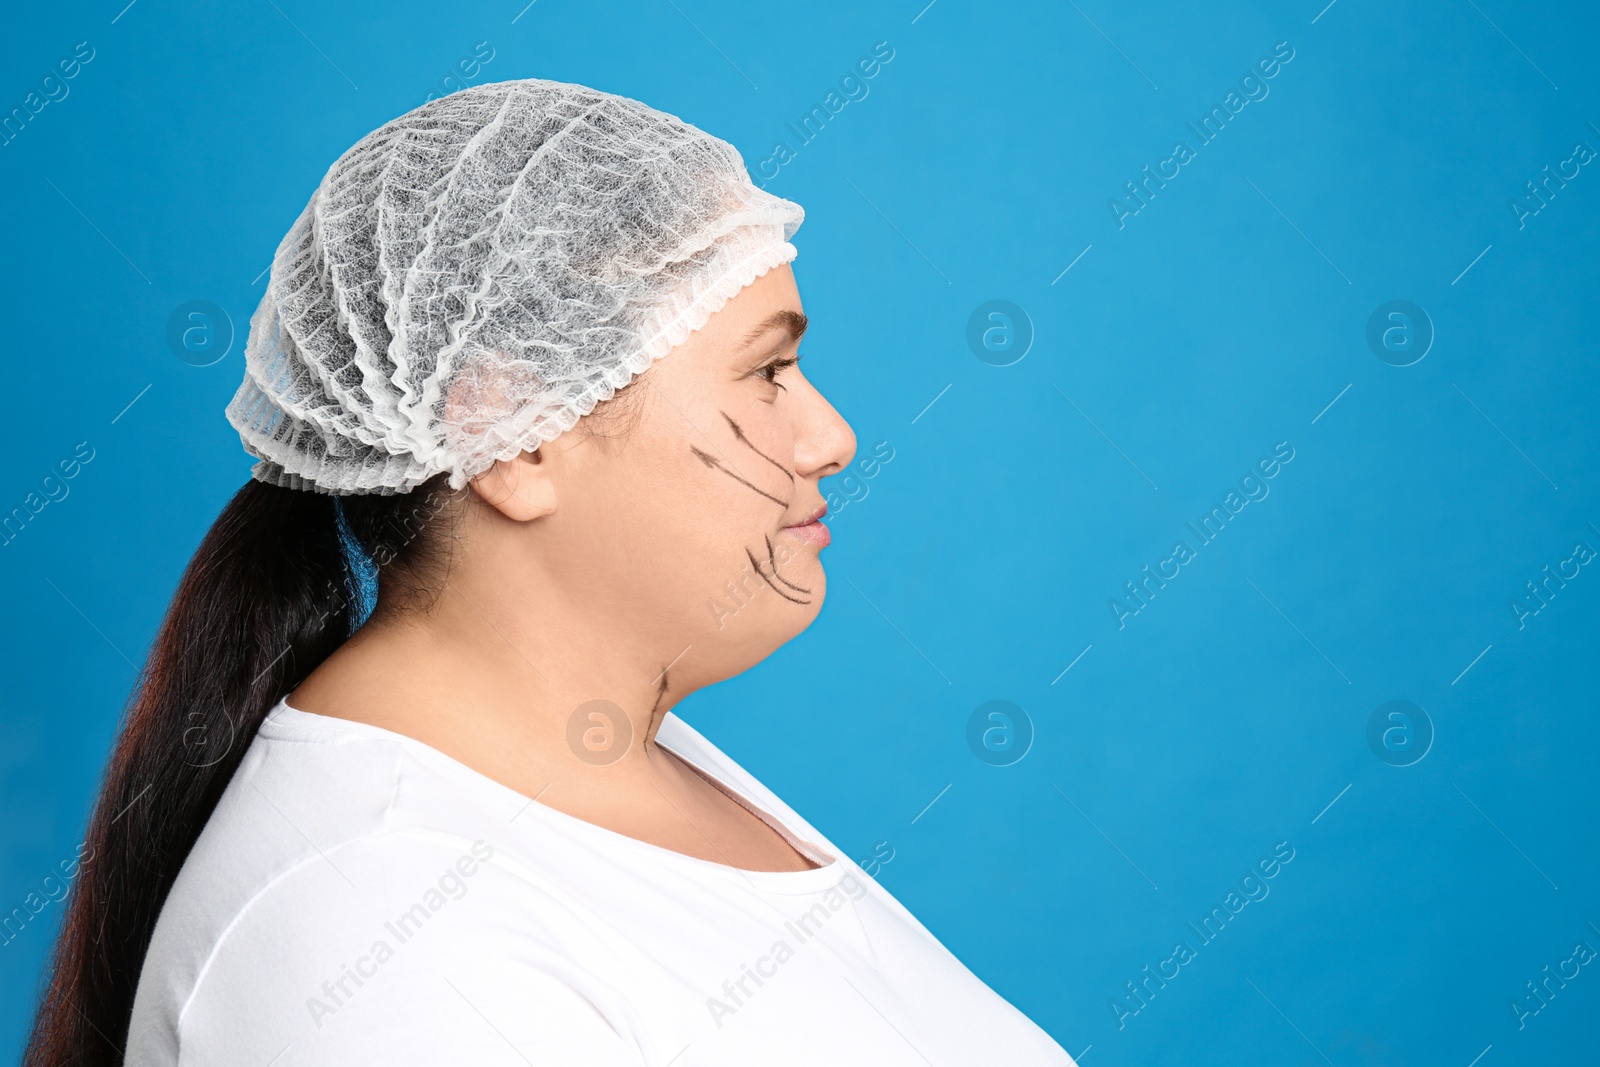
(360, 897)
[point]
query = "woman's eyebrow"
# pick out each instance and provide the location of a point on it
(793, 321)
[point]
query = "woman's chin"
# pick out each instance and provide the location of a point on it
(758, 631)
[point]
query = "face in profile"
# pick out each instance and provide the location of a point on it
(678, 523)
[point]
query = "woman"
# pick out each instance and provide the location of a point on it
(467, 826)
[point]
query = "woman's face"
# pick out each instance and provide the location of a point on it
(677, 529)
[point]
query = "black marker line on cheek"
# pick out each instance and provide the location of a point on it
(772, 559)
(756, 565)
(716, 464)
(739, 433)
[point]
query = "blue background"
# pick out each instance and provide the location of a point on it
(1227, 315)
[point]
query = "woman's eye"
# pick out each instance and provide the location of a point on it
(770, 371)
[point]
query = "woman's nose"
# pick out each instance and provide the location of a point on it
(824, 442)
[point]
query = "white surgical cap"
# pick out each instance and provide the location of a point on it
(471, 278)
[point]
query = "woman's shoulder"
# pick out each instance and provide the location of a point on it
(302, 792)
(341, 877)
(301, 806)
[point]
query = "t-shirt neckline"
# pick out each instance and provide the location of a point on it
(290, 722)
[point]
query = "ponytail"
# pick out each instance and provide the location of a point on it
(268, 596)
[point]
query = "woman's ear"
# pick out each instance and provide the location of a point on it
(520, 488)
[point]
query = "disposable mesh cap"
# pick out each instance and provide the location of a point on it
(473, 277)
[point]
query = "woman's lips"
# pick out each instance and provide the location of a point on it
(812, 531)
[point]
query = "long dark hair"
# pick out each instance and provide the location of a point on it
(282, 579)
